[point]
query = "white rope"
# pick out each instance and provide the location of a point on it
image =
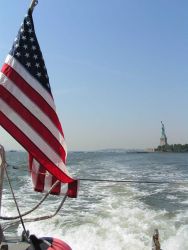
(34, 208)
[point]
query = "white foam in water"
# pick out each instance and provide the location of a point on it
(120, 224)
(113, 216)
(171, 197)
(179, 241)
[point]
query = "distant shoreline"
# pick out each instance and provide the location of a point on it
(173, 148)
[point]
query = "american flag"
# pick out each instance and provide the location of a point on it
(28, 113)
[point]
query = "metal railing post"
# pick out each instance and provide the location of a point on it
(2, 168)
(155, 240)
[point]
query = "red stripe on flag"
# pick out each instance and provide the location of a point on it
(33, 149)
(27, 110)
(33, 122)
(9, 72)
(40, 176)
(40, 179)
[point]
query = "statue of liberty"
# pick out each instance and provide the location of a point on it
(163, 139)
(163, 130)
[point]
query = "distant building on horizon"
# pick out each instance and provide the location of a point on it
(163, 139)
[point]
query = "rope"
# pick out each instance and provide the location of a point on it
(38, 218)
(121, 181)
(34, 208)
(25, 231)
(134, 181)
(48, 216)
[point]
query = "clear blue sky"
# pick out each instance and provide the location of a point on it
(116, 67)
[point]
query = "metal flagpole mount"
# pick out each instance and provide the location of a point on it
(33, 4)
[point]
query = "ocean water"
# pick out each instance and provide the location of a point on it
(118, 216)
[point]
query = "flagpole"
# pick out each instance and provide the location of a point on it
(33, 4)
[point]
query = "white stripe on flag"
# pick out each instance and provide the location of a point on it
(11, 61)
(47, 176)
(48, 179)
(37, 112)
(32, 135)
(35, 170)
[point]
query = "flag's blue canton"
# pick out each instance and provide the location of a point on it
(27, 51)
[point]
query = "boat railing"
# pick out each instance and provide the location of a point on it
(155, 240)
(2, 168)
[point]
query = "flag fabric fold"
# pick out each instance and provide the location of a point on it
(28, 113)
